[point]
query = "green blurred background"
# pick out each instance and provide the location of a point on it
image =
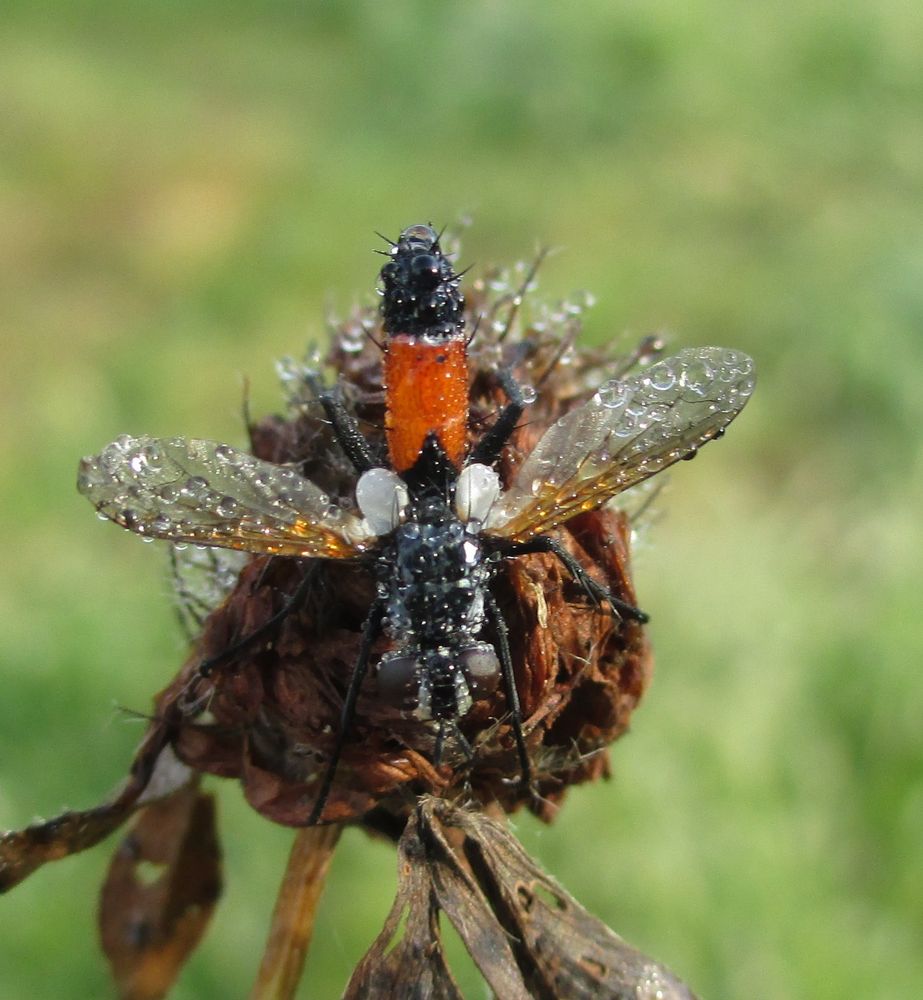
(185, 189)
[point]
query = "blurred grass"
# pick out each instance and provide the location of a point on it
(183, 189)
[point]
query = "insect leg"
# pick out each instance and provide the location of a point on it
(291, 603)
(488, 449)
(509, 683)
(344, 426)
(369, 635)
(596, 591)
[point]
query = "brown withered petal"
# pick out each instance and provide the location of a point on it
(528, 937)
(162, 885)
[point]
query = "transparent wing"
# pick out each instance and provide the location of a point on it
(202, 579)
(630, 430)
(185, 490)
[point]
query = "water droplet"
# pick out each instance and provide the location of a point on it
(226, 507)
(613, 394)
(661, 378)
(195, 486)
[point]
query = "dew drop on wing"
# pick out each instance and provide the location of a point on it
(195, 487)
(661, 378)
(226, 507)
(625, 428)
(613, 394)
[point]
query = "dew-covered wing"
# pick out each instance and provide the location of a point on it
(630, 430)
(184, 490)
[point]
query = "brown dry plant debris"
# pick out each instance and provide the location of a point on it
(528, 937)
(163, 883)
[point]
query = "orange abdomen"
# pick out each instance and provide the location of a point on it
(426, 391)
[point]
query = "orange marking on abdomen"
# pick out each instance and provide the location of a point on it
(426, 391)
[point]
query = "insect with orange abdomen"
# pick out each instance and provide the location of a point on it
(431, 520)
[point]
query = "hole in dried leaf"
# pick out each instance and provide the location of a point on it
(536, 892)
(399, 932)
(148, 872)
(461, 965)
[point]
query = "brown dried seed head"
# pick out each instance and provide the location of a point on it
(268, 715)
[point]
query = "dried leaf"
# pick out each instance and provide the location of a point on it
(159, 894)
(23, 851)
(528, 937)
(463, 903)
(561, 949)
(406, 961)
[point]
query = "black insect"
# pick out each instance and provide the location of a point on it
(432, 519)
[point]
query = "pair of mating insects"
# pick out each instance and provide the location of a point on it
(433, 519)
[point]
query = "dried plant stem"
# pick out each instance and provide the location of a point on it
(293, 917)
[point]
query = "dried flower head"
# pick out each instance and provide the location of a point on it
(268, 712)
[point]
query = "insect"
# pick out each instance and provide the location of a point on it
(431, 519)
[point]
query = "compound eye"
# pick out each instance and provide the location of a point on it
(419, 234)
(425, 268)
(399, 680)
(481, 668)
